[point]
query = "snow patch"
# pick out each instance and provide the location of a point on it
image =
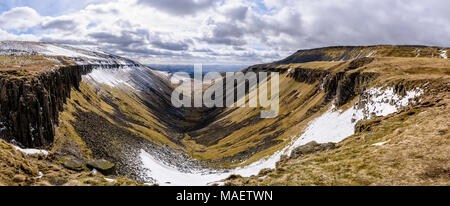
(380, 143)
(290, 69)
(178, 79)
(40, 175)
(55, 60)
(53, 50)
(109, 180)
(444, 54)
(110, 77)
(382, 101)
(332, 126)
(371, 54)
(167, 175)
(165, 74)
(31, 151)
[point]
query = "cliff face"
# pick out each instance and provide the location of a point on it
(29, 106)
(344, 84)
(35, 81)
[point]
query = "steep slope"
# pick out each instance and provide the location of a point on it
(410, 147)
(38, 80)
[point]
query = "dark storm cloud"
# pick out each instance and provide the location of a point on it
(376, 22)
(137, 43)
(66, 41)
(60, 24)
(179, 7)
(225, 33)
(202, 50)
(142, 51)
(225, 30)
(175, 46)
(225, 41)
(238, 13)
(291, 26)
(124, 39)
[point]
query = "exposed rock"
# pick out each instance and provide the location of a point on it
(29, 105)
(264, 172)
(233, 176)
(357, 63)
(72, 163)
(104, 166)
(308, 75)
(310, 148)
(342, 85)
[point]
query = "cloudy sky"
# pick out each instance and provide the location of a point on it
(224, 32)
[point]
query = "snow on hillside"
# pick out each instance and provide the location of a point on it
(81, 56)
(31, 151)
(444, 54)
(109, 69)
(110, 77)
(332, 126)
(54, 50)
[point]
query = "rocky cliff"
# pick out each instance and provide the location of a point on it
(35, 81)
(29, 105)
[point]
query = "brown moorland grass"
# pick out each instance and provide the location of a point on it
(414, 150)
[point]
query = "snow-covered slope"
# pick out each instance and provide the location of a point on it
(108, 69)
(81, 56)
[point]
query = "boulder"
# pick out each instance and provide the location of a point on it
(310, 148)
(72, 163)
(104, 166)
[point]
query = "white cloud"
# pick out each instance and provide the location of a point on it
(235, 31)
(19, 19)
(5, 36)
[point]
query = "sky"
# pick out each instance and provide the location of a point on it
(224, 31)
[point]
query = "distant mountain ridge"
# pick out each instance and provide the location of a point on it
(342, 53)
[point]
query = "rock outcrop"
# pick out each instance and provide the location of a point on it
(29, 105)
(104, 166)
(310, 148)
(342, 85)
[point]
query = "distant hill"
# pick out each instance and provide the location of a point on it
(172, 68)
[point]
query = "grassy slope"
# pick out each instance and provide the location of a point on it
(21, 66)
(416, 152)
(298, 101)
(119, 107)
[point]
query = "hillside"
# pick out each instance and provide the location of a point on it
(89, 105)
